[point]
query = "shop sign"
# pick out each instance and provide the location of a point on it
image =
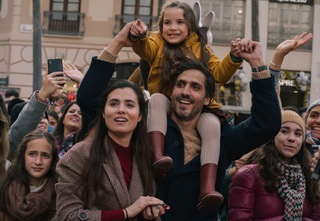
(286, 83)
(305, 2)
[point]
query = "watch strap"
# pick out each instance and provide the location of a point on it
(261, 68)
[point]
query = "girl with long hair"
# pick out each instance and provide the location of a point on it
(278, 185)
(27, 189)
(4, 144)
(68, 126)
(178, 40)
(108, 176)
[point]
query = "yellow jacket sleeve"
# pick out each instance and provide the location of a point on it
(149, 47)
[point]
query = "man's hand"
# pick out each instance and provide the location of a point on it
(255, 57)
(241, 45)
(50, 84)
(73, 73)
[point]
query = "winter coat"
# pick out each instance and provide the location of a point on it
(248, 199)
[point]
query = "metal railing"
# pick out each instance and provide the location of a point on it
(276, 35)
(122, 20)
(63, 23)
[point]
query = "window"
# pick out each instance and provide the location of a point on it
(134, 9)
(287, 21)
(229, 19)
(64, 17)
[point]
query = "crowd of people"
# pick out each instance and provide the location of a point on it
(116, 154)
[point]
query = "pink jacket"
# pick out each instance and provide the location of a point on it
(248, 200)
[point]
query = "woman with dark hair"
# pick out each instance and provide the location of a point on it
(109, 175)
(68, 126)
(53, 119)
(27, 189)
(279, 185)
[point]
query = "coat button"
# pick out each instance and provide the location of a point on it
(176, 143)
(83, 215)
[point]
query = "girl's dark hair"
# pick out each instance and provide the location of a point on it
(54, 115)
(267, 166)
(18, 171)
(4, 143)
(59, 130)
(99, 152)
(174, 55)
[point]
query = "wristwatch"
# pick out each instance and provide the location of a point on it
(261, 68)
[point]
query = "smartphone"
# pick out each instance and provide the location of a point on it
(315, 148)
(55, 65)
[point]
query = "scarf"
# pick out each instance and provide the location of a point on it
(292, 189)
(68, 142)
(36, 206)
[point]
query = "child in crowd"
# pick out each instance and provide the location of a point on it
(179, 39)
(27, 189)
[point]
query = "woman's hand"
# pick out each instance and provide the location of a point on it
(315, 161)
(60, 103)
(152, 212)
(73, 73)
(142, 203)
(287, 46)
(50, 84)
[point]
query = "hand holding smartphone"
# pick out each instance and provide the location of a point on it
(55, 65)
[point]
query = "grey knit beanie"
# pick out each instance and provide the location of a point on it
(314, 104)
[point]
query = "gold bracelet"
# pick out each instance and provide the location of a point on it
(275, 64)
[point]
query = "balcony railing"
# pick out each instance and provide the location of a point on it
(63, 23)
(276, 35)
(122, 20)
(224, 33)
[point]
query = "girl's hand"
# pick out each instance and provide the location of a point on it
(138, 28)
(143, 202)
(235, 47)
(73, 73)
(152, 212)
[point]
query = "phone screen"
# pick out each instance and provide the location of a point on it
(55, 65)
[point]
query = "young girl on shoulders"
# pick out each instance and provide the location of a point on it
(179, 39)
(27, 189)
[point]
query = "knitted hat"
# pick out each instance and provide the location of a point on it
(16, 111)
(315, 103)
(13, 102)
(291, 116)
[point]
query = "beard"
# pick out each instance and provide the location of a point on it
(182, 113)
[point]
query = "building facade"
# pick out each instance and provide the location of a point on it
(76, 30)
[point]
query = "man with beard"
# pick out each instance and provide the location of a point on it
(193, 88)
